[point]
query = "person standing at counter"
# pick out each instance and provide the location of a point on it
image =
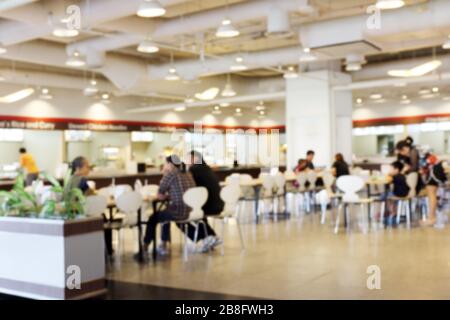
(309, 159)
(174, 183)
(29, 165)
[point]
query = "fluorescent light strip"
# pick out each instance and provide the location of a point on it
(17, 96)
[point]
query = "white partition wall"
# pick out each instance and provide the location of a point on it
(318, 118)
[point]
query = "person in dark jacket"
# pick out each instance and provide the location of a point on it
(204, 176)
(340, 167)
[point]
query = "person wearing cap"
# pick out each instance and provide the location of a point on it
(173, 185)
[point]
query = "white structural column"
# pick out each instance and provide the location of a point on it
(318, 118)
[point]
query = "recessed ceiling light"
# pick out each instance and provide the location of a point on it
(75, 60)
(435, 89)
(150, 9)
(260, 106)
(208, 94)
(225, 104)
(45, 94)
(418, 71)
(389, 4)
(216, 107)
(105, 96)
(147, 46)
(17, 96)
(375, 96)
(238, 110)
(359, 101)
(226, 30)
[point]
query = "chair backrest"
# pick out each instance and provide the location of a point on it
(355, 171)
(350, 185)
(301, 180)
(149, 190)
(138, 185)
(244, 177)
(233, 179)
(129, 202)
(120, 189)
(95, 205)
(311, 176)
(280, 180)
(290, 175)
(230, 196)
(412, 179)
(328, 180)
(195, 198)
(268, 183)
(106, 192)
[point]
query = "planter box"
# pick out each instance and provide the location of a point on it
(38, 257)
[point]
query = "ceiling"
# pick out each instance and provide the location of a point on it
(111, 30)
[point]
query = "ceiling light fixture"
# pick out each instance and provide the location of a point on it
(147, 46)
(91, 89)
(376, 96)
(239, 64)
(45, 94)
(307, 55)
(228, 90)
(225, 104)
(389, 4)
(424, 91)
(446, 44)
(418, 71)
(150, 9)
(3, 49)
(208, 94)
(226, 29)
(354, 62)
(172, 75)
(180, 108)
(290, 73)
(75, 60)
(260, 106)
(435, 89)
(61, 31)
(359, 101)
(17, 96)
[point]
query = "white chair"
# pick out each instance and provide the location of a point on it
(350, 185)
(195, 198)
(280, 186)
(95, 206)
(266, 195)
(302, 179)
(128, 205)
(91, 184)
(107, 192)
(326, 196)
(148, 191)
(118, 190)
(230, 196)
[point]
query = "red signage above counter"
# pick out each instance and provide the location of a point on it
(18, 122)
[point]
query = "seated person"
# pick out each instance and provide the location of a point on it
(400, 188)
(340, 167)
(80, 170)
(205, 177)
(302, 165)
(174, 183)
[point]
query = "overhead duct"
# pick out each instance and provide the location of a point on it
(278, 24)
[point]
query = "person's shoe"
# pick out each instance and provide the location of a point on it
(207, 244)
(163, 251)
(216, 242)
(427, 223)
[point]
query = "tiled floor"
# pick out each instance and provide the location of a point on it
(301, 259)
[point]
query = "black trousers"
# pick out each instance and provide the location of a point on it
(158, 217)
(201, 231)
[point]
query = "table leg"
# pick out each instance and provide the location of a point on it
(154, 251)
(257, 191)
(139, 225)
